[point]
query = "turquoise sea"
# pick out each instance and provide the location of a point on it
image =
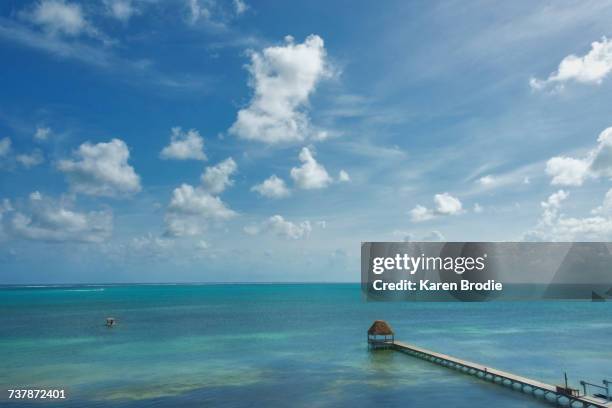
(298, 345)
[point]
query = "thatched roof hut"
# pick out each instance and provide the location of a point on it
(380, 335)
(380, 328)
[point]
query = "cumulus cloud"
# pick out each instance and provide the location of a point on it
(445, 204)
(552, 206)
(601, 163)
(42, 133)
(282, 78)
(421, 213)
(217, 178)
(189, 200)
(587, 228)
(310, 175)
(280, 227)
(283, 228)
(272, 187)
(184, 146)
(606, 207)
(30, 160)
(567, 171)
(101, 169)
(191, 209)
(570, 171)
(50, 220)
(555, 226)
(5, 146)
(343, 177)
(591, 68)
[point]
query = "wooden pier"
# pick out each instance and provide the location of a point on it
(527, 385)
(560, 396)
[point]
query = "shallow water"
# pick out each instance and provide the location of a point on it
(298, 345)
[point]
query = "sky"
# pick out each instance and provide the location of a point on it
(235, 141)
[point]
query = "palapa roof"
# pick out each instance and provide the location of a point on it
(381, 328)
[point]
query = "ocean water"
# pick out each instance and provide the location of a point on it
(283, 345)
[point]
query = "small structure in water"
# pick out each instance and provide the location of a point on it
(110, 321)
(380, 335)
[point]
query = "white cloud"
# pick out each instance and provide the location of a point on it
(601, 163)
(512, 178)
(191, 209)
(197, 11)
(59, 17)
(122, 10)
(5, 146)
(606, 207)
(30, 160)
(487, 181)
(55, 221)
(555, 226)
(478, 208)
(283, 78)
(569, 171)
(272, 187)
(217, 178)
(240, 6)
(421, 213)
(202, 245)
(101, 169)
(193, 201)
(310, 175)
(445, 204)
(552, 206)
(592, 228)
(591, 68)
(184, 146)
(282, 228)
(42, 133)
(343, 177)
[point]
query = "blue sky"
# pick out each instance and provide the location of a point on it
(193, 140)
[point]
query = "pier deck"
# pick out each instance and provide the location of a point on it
(524, 384)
